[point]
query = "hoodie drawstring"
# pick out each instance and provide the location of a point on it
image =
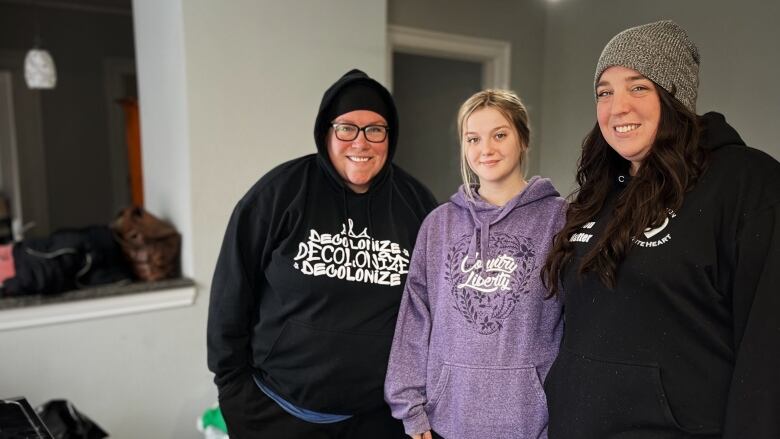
(484, 241)
(344, 203)
(368, 209)
(481, 229)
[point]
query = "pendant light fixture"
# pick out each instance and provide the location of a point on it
(39, 69)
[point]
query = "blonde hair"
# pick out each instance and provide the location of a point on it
(511, 107)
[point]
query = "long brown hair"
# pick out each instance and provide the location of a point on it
(671, 168)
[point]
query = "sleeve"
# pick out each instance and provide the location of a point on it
(406, 370)
(754, 395)
(233, 305)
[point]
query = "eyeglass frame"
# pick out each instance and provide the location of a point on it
(359, 129)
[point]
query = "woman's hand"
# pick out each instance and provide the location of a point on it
(426, 435)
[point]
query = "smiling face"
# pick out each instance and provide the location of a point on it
(491, 147)
(628, 110)
(357, 161)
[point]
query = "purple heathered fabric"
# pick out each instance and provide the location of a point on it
(469, 363)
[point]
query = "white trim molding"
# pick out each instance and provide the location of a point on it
(77, 310)
(494, 55)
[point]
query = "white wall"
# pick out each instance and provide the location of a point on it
(162, 78)
(740, 63)
(216, 78)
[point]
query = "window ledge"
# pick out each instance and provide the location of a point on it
(97, 302)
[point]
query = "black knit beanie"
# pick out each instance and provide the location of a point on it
(357, 96)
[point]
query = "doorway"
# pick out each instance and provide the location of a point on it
(24, 178)
(10, 199)
(432, 73)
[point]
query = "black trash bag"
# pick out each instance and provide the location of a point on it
(65, 422)
(65, 260)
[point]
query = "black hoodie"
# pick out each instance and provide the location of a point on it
(308, 282)
(687, 344)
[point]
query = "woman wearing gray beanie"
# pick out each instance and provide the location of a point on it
(669, 260)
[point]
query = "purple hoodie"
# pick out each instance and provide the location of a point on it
(475, 338)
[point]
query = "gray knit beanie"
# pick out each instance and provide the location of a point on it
(660, 51)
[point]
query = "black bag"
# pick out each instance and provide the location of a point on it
(65, 422)
(66, 260)
(19, 420)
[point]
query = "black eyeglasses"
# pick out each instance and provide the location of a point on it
(348, 132)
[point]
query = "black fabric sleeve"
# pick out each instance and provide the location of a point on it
(233, 305)
(754, 396)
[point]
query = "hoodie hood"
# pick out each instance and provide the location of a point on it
(485, 214)
(716, 132)
(322, 123)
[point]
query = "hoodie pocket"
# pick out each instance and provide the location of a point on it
(597, 398)
(479, 401)
(328, 370)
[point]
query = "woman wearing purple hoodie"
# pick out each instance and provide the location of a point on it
(475, 336)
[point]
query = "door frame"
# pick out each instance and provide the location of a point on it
(493, 55)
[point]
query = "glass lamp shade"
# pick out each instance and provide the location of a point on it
(39, 69)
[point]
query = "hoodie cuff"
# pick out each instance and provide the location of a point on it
(417, 424)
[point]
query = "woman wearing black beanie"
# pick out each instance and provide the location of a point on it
(309, 279)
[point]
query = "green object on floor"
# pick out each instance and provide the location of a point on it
(213, 417)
